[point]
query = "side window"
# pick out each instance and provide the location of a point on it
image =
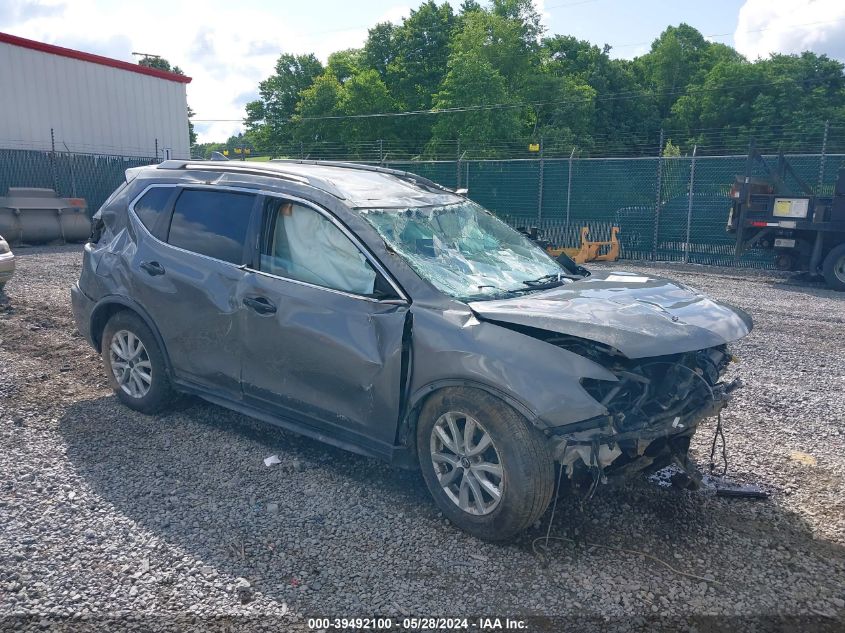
(150, 207)
(300, 243)
(212, 223)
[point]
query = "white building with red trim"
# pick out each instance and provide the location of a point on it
(55, 97)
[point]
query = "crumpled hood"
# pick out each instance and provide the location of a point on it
(639, 315)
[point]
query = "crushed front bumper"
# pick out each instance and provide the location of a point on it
(603, 448)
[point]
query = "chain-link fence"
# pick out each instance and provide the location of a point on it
(90, 176)
(667, 208)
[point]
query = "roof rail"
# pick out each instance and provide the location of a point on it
(256, 170)
(406, 175)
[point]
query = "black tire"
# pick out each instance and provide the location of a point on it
(527, 481)
(834, 268)
(160, 394)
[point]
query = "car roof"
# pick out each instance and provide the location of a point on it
(360, 186)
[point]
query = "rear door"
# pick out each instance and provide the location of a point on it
(186, 275)
(323, 327)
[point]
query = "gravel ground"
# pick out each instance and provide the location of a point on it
(107, 512)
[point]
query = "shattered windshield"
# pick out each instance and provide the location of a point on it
(465, 251)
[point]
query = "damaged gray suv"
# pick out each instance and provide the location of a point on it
(382, 313)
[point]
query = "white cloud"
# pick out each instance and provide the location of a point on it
(206, 40)
(540, 8)
(791, 26)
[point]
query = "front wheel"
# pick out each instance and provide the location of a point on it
(834, 268)
(488, 469)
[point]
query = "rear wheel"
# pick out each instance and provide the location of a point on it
(488, 469)
(135, 364)
(834, 268)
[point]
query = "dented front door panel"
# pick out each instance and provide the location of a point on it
(333, 357)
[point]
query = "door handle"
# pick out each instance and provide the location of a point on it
(153, 268)
(260, 304)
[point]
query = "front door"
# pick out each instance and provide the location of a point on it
(322, 328)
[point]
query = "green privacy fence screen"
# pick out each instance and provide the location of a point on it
(670, 208)
(90, 176)
(666, 208)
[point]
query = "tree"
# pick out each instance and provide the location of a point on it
(500, 40)
(564, 109)
(468, 6)
(366, 93)
(267, 118)
(320, 99)
(615, 124)
(524, 13)
(472, 80)
(345, 64)
(411, 59)
(739, 99)
(160, 63)
(380, 48)
(670, 150)
(192, 135)
(671, 64)
(501, 80)
(345, 90)
(422, 54)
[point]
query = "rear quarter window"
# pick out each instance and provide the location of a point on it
(151, 207)
(212, 223)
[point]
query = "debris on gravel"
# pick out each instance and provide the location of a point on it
(107, 512)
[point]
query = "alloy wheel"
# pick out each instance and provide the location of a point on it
(466, 462)
(130, 364)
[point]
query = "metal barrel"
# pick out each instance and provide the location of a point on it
(39, 216)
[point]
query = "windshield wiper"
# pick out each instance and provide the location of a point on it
(553, 277)
(548, 281)
(503, 292)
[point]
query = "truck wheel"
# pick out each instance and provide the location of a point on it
(134, 364)
(834, 268)
(785, 261)
(488, 469)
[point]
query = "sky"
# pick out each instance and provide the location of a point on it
(229, 47)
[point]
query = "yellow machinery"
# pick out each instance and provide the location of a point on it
(590, 251)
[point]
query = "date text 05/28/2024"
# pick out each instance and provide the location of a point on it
(417, 624)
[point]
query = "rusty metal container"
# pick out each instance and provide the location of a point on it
(39, 216)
